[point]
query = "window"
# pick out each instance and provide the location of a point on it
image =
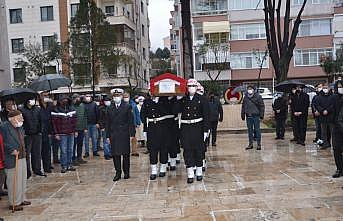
(109, 10)
(315, 27)
(143, 30)
(19, 75)
(310, 57)
(208, 7)
(50, 70)
(73, 9)
(144, 53)
(17, 45)
(47, 42)
(247, 60)
(198, 31)
(16, 16)
(248, 31)
(217, 38)
(300, 2)
(245, 4)
(47, 13)
(142, 7)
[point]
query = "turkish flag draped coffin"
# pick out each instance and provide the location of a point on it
(168, 85)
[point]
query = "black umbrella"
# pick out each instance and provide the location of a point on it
(50, 82)
(286, 86)
(19, 95)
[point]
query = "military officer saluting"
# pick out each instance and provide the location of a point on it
(154, 115)
(194, 129)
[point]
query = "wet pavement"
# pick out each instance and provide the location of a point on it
(283, 182)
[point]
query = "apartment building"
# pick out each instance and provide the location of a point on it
(4, 53)
(240, 25)
(176, 55)
(37, 21)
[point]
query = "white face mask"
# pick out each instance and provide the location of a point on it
(250, 91)
(126, 99)
(107, 103)
(340, 90)
(155, 99)
(293, 91)
(117, 100)
(20, 124)
(140, 103)
(192, 90)
(136, 100)
(87, 99)
(32, 102)
(319, 89)
(325, 90)
(47, 100)
(97, 103)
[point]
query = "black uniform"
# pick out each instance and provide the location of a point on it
(281, 105)
(300, 102)
(172, 129)
(215, 115)
(119, 129)
(194, 122)
(155, 119)
(337, 133)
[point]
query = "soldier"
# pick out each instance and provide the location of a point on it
(172, 134)
(154, 115)
(194, 129)
(119, 129)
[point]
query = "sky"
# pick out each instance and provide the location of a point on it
(159, 14)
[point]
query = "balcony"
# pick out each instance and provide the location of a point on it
(128, 1)
(121, 19)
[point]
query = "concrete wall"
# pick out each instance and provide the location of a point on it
(4, 56)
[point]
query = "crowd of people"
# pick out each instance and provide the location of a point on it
(42, 133)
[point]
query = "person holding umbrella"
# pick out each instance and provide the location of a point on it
(15, 161)
(280, 108)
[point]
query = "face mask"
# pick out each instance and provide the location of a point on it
(319, 89)
(293, 91)
(137, 101)
(126, 99)
(140, 103)
(14, 107)
(192, 90)
(32, 102)
(97, 103)
(155, 99)
(47, 100)
(107, 103)
(340, 90)
(250, 91)
(117, 100)
(325, 90)
(20, 124)
(88, 99)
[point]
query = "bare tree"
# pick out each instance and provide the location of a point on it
(281, 43)
(260, 61)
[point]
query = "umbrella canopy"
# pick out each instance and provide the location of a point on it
(286, 86)
(242, 89)
(50, 82)
(19, 95)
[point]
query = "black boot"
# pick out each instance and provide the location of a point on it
(190, 180)
(126, 176)
(250, 146)
(172, 168)
(337, 174)
(199, 178)
(153, 177)
(117, 177)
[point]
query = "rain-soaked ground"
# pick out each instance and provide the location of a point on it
(282, 182)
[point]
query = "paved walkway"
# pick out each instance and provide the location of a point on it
(282, 182)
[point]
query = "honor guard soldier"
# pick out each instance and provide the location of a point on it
(172, 137)
(120, 128)
(154, 115)
(194, 129)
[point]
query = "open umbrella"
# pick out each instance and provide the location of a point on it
(286, 86)
(19, 95)
(50, 82)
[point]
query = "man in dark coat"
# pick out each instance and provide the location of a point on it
(155, 117)
(280, 108)
(216, 114)
(316, 115)
(120, 129)
(92, 124)
(103, 108)
(33, 137)
(194, 129)
(324, 105)
(300, 103)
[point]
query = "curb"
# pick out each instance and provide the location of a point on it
(263, 130)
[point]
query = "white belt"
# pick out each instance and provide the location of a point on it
(157, 119)
(193, 121)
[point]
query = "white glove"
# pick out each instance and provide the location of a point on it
(179, 97)
(205, 136)
(170, 97)
(145, 134)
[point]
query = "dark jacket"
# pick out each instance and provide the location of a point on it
(81, 123)
(11, 143)
(281, 104)
(45, 116)
(102, 116)
(337, 132)
(313, 106)
(136, 115)
(2, 152)
(32, 120)
(252, 106)
(92, 113)
(64, 120)
(300, 102)
(120, 128)
(215, 110)
(322, 103)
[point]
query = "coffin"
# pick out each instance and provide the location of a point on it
(168, 85)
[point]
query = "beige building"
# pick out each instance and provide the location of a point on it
(5, 77)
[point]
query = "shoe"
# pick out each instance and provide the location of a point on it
(63, 170)
(135, 154)
(162, 174)
(199, 178)
(126, 176)
(277, 138)
(282, 138)
(178, 161)
(51, 167)
(40, 174)
(214, 145)
(86, 155)
(81, 161)
(76, 163)
(301, 143)
(203, 169)
(16, 208)
(107, 158)
(190, 180)
(337, 174)
(293, 140)
(71, 168)
(4, 193)
(259, 147)
(95, 154)
(146, 152)
(153, 177)
(29, 174)
(250, 146)
(117, 177)
(47, 171)
(56, 161)
(172, 168)
(26, 203)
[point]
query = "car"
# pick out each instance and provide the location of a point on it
(265, 93)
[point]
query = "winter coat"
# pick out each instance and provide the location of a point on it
(280, 104)
(102, 116)
(2, 152)
(120, 128)
(92, 113)
(215, 110)
(32, 120)
(300, 102)
(322, 103)
(337, 132)
(45, 116)
(64, 120)
(252, 106)
(136, 114)
(81, 123)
